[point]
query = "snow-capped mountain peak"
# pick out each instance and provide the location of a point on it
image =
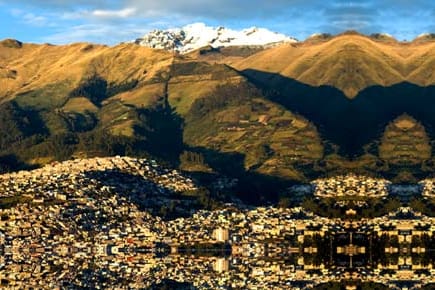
(197, 35)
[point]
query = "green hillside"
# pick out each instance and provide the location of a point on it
(204, 116)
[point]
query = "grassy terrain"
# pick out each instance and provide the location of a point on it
(79, 105)
(48, 97)
(269, 137)
(262, 124)
(349, 62)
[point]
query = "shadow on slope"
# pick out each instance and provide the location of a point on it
(252, 188)
(350, 123)
(147, 193)
(10, 163)
(162, 129)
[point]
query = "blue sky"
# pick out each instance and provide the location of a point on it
(110, 22)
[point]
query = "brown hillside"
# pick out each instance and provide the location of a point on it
(349, 62)
(29, 67)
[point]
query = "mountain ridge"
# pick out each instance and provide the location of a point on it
(195, 36)
(350, 62)
(254, 113)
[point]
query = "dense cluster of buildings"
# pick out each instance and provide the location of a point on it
(258, 241)
(428, 187)
(89, 224)
(351, 185)
(141, 181)
(351, 189)
(71, 173)
(244, 227)
(408, 258)
(63, 210)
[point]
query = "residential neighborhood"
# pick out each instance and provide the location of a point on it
(351, 185)
(90, 224)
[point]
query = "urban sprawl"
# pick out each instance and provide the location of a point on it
(89, 223)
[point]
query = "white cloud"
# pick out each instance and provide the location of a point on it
(95, 33)
(123, 13)
(31, 18)
(99, 14)
(36, 20)
(77, 14)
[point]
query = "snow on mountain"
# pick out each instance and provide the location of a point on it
(197, 35)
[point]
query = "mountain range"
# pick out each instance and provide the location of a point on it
(288, 111)
(195, 36)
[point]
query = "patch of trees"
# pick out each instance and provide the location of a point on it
(223, 96)
(12, 201)
(162, 132)
(158, 132)
(80, 122)
(94, 88)
(114, 89)
(63, 146)
(104, 142)
(191, 68)
(16, 124)
(10, 125)
(10, 162)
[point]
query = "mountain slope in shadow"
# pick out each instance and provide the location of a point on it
(350, 123)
